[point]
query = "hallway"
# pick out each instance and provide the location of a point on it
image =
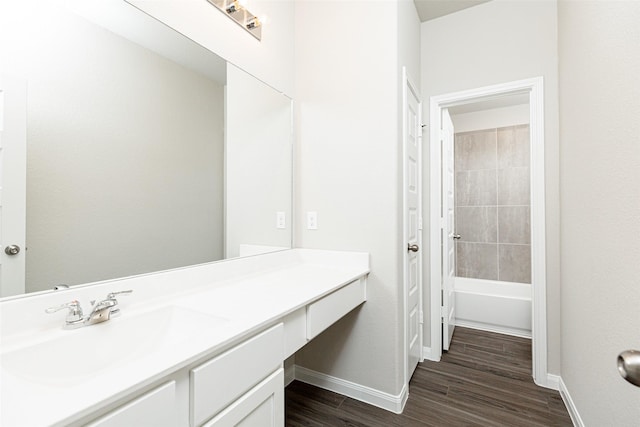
(484, 380)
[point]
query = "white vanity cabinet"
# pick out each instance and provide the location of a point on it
(214, 385)
(327, 310)
(262, 406)
(243, 385)
(227, 372)
(155, 408)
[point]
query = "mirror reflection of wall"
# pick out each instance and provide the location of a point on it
(126, 152)
(257, 117)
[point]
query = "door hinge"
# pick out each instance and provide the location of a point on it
(421, 317)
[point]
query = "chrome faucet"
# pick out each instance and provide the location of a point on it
(74, 319)
(101, 312)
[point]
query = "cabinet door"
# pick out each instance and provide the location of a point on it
(153, 409)
(262, 406)
(220, 381)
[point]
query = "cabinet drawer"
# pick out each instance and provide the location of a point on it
(263, 406)
(326, 311)
(156, 408)
(220, 381)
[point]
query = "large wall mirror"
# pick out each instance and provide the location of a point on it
(145, 151)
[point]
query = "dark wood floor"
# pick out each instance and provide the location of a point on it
(484, 380)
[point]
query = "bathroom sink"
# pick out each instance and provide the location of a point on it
(91, 351)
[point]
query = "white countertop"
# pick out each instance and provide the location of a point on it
(193, 312)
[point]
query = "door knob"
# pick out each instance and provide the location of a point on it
(629, 366)
(457, 236)
(413, 248)
(12, 250)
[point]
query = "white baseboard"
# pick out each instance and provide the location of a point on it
(553, 382)
(498, 329)
(428, 355)
(571, 407)
(356, 391)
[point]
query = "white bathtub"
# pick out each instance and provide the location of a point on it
(503, 307)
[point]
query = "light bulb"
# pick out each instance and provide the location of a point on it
(233, 7)
(253, 23)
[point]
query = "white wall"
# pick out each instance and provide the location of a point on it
(348, 157)
(258, 162)
(119, 181)
(600, 205)
(270, 60)
(497, 42)
(492, 118)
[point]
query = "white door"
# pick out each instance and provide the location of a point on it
(13, 156)
(448, 246)
(412, 136)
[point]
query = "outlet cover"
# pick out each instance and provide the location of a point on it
(281, 221)
(312, 220)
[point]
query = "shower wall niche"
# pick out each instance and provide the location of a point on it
(492, 204)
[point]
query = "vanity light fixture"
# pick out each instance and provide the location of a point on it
(232, 8)
(236, 10)
(254, 23)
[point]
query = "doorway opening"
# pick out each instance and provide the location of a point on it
(520, 243)
(492, 211)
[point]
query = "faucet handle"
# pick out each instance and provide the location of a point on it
(112, 295)
(74, 316)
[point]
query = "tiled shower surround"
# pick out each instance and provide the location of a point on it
(492, 202)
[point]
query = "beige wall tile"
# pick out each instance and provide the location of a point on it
(514, 224)
(476, 188)
(514, 263)
(477, 260)
(475, 150)
(492, 204)
(513, 186)
(477, 224)
(513, 146)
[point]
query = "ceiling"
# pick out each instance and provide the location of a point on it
(431, 9)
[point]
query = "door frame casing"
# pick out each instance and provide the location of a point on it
(407, 84)
(535, 88)
(13, 144)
